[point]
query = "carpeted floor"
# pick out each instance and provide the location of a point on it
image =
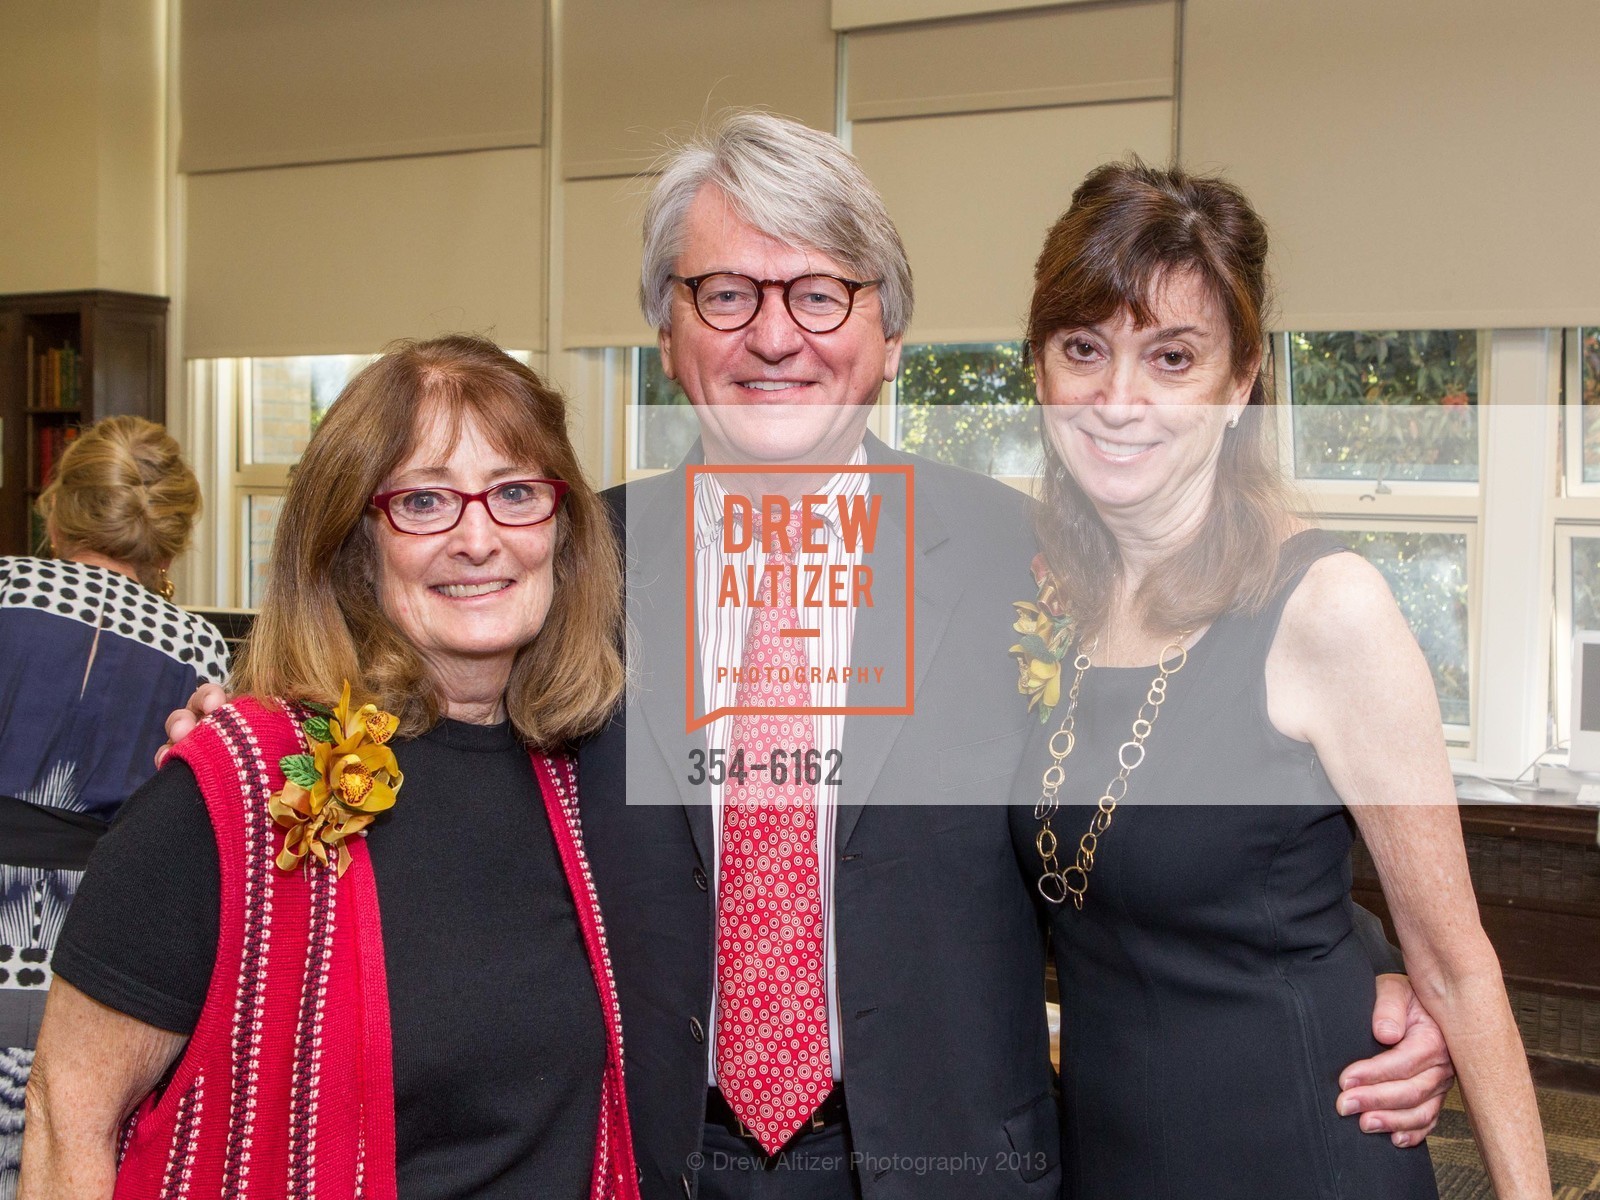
(1572, 1139)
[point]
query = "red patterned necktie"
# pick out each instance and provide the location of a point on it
(772, 1017)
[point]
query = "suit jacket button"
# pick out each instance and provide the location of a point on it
(700, 880)
(697, 1030)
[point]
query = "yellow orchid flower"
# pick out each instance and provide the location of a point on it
(1049, 679)
(1046, 636)
(366, 780)
(331, 792)
(367, 723)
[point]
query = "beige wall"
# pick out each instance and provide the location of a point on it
(48, 144)
(1408, 175)
(81, 171)
(1431, 164)
(83, 90)
(130, 115)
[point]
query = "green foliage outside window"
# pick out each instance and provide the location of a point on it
(666, 428)
(1591, 405)
(969, 404)
(1391, 404)
(1586, 583)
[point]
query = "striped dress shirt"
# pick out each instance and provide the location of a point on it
(722, 631)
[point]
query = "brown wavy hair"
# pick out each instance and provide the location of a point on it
(122, 490)
(320, 621)
(1129, 229)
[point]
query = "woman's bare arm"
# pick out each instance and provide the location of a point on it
(92, 1067)
(1346, 675)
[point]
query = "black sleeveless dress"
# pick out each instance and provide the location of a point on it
(1211, 988)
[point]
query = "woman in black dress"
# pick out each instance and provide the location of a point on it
(1230, 687)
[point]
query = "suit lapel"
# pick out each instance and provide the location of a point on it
(880, 639)
(659, 613)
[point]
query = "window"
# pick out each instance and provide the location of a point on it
(260, 526)
(262, 413)
(1396, 404)
(1381, 430)
(1427, 572)
(1589, 370)
(663, 425)
(970, 404)
(278, 404)
(1577, 526)
(1432, 453)
(1585, 592)
(286, 399)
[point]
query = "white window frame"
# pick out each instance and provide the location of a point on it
(1400, 506)
(1402, 497)
(1574, 488)
(1566, 532)
(1576, 515)
(250, 479)
(1510, 561)
(631, 378)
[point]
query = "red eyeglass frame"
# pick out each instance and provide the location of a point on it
(380, 501)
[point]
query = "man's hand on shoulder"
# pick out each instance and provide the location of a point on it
(207, 698)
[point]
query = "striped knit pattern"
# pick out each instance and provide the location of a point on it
(295, 1027)
(126, 1136)
(244, 751)
(180, 1159)
(308, 1038)
(285, 1036)
(616, 1176)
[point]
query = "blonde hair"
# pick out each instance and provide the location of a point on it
(320, 621)
(122, 490)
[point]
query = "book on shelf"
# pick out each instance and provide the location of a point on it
(53, 377)
(50, 444)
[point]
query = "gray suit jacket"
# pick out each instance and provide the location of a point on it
(939, 947)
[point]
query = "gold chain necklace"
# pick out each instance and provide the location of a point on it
(1058, 882)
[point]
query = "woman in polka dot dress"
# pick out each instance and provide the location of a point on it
(92, 657)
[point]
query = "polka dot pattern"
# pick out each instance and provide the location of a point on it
(110, 601)
(772, 1019)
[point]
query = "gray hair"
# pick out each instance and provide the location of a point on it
(791, 183)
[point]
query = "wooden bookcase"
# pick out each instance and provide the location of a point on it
(68, 359)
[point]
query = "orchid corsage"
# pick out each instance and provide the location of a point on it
(345, 778)
(1046, 636)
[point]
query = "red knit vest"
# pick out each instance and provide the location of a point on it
(286, 1089)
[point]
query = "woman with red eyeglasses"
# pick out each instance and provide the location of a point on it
(334, 939)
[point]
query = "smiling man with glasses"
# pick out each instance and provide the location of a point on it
(867, 1018)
